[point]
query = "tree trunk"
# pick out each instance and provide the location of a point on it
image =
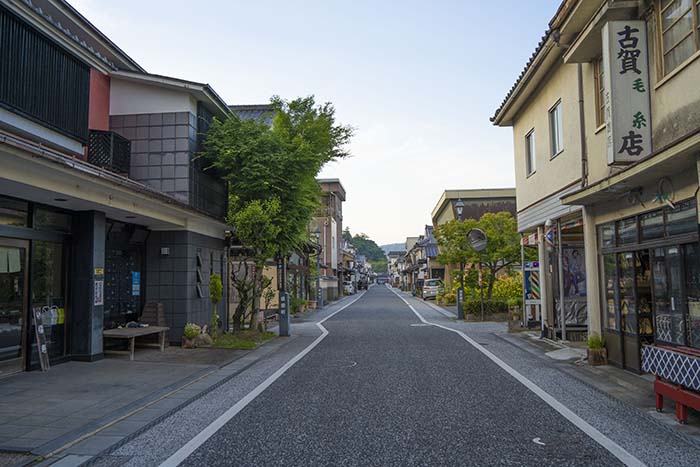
(492, 280)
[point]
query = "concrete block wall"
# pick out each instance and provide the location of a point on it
(162, 146)
(172, 279)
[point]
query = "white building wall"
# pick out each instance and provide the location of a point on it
(127, 97)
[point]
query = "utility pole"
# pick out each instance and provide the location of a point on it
(283, 311)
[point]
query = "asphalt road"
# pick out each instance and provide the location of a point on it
(384, 390)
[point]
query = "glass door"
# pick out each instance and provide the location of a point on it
(13, 304)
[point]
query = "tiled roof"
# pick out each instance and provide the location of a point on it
(254, 112)
(522, 74)
(431, 250)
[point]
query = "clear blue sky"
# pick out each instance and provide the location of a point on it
(417, 79)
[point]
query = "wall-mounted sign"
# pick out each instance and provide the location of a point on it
(626, 91)
(99, 293)
(99, 271)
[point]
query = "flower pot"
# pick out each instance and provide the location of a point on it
(187, 343)
(597, 357)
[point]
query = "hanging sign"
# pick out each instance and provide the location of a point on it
(135, 283)
(626, 91)
(38, 321)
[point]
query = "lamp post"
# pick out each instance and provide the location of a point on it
(459, 207)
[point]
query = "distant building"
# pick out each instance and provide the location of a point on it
(477, 202)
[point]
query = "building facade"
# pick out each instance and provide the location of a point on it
(328, 228)
(102, 206)
(607, 139)
(476, 202)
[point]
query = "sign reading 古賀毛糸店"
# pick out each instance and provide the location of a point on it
(626, 91)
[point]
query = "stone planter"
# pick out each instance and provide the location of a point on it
(598, 357)
(313, 304)
(187, 343)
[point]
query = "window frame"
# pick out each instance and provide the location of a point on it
(530, 153)
(556, 122)
(599, 80)
(694, 31)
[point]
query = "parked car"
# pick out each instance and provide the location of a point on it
(348, 288)
(362, 284)
(431, 288)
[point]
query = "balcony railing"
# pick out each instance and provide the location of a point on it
(109, 150)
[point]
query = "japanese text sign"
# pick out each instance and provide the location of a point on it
(626, 91)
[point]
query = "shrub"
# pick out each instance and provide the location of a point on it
(595, 342)
(508, 287)
(192, 330)
(216, 288)
(295, 304)
(473, 307)
(450, 298)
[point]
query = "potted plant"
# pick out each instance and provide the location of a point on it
(597, 353)
(190, 333)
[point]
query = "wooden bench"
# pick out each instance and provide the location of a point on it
(132, 333)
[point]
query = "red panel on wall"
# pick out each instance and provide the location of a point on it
(98, 118)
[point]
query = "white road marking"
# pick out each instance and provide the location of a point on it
(614, 448)
(184, 452)
(538, 441)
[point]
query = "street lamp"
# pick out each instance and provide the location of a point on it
(459, 206)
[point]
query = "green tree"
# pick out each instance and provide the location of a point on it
(502, 251)
(271, 172)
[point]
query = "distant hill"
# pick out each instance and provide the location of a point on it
(393, 247)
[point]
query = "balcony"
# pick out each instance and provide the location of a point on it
(109, 150)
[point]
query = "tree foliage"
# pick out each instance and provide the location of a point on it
(271, 172)
(502, 251)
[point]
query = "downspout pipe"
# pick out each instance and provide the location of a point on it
(582, 128)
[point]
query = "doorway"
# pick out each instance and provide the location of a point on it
(13, 304)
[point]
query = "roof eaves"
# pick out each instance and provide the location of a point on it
(511, 93)
(67, 32)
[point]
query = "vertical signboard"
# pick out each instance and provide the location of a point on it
(531, 282)
(626, 91)
(38, 321)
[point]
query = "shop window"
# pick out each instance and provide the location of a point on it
(627, 231)
(691, 258)
(48, 219)
(628, 304)
(682, 219)
(670, 324)
(609, 276)
(607, 235)
(652, 225)
(13, 212)
(48, 294)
